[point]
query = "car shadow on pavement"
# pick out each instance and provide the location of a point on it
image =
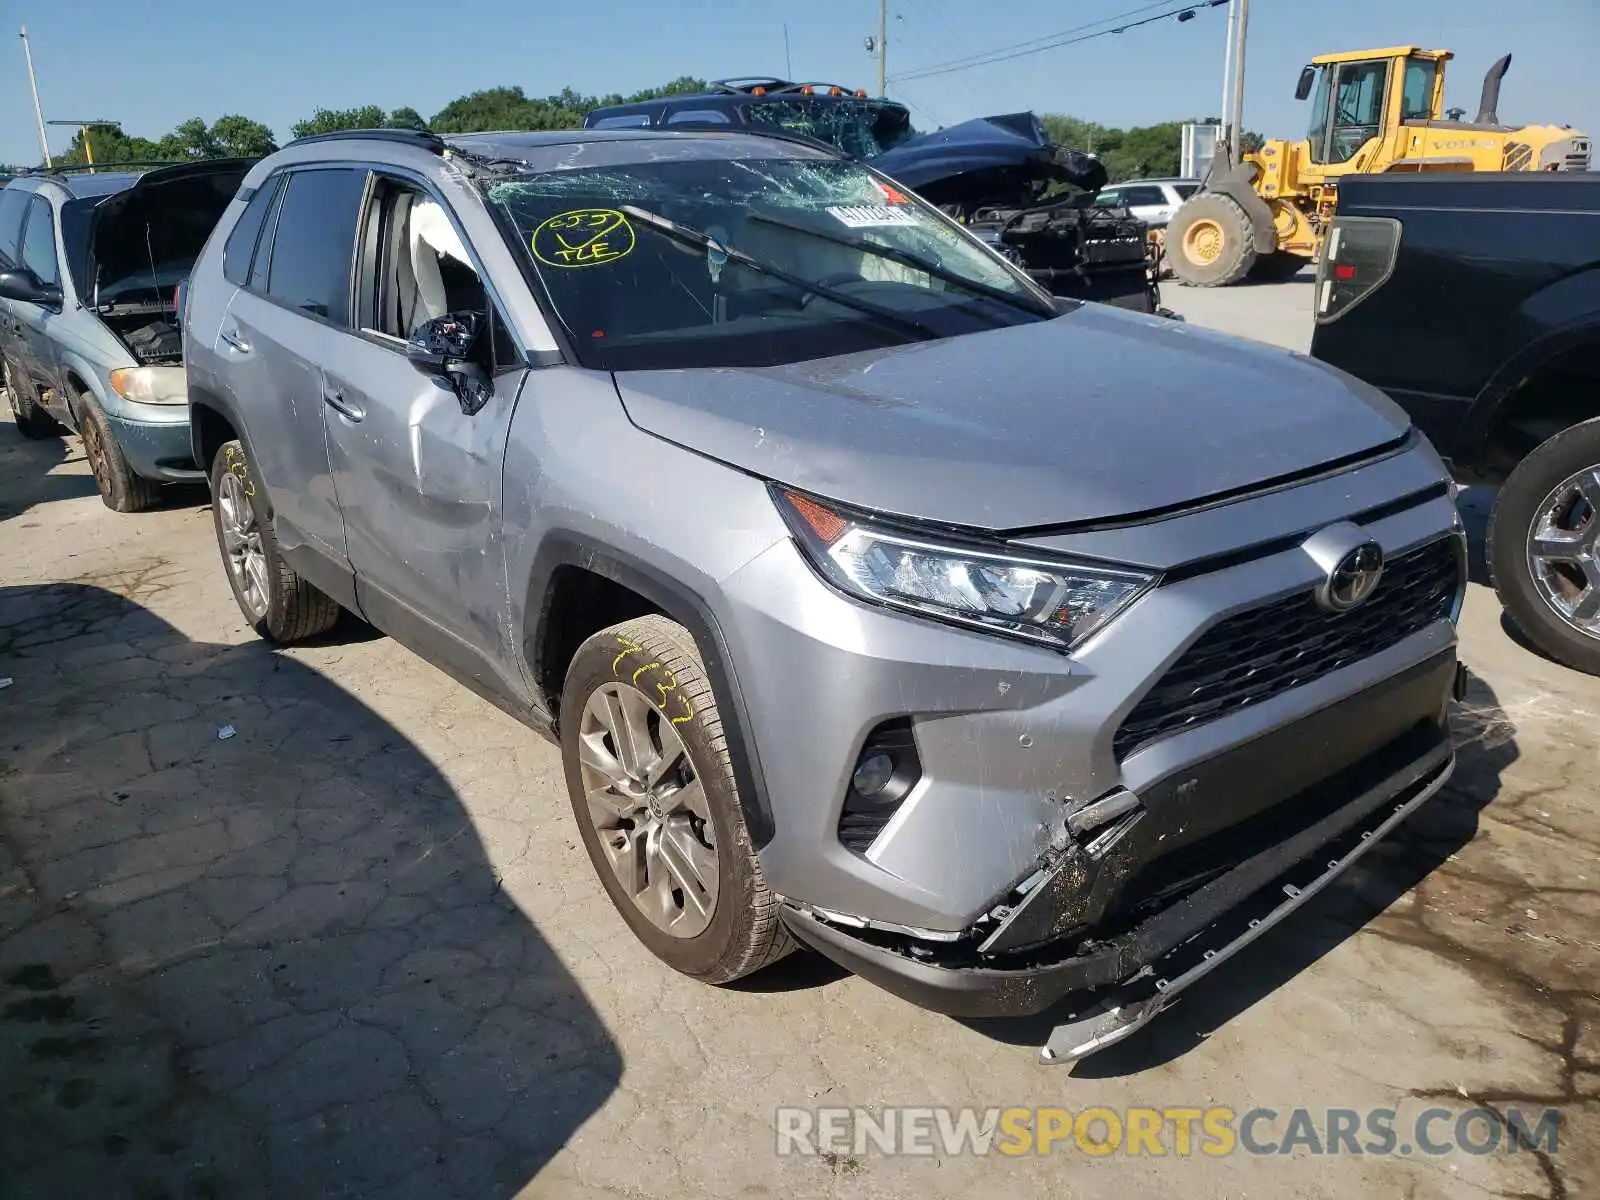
(38, 458)
(1485, 747)
(270, 960)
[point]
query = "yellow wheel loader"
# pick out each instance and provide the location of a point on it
(1374, 111)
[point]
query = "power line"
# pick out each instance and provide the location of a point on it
(1063, 38)
(1049, 37)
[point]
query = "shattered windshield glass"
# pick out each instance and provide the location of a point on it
(746, 262)
(861, 128)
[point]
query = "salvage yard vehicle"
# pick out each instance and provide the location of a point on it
(90, 266)
(1474, 302)
(1000, 647)
(1375, 111)
(1030, 199)
(1153, 201)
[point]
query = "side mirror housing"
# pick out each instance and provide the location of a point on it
(1308, 79)
(21, 285)
(443, 347)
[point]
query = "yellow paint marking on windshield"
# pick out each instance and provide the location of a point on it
(582, 237)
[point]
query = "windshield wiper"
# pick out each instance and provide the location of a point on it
(917, 263)
(695, 237)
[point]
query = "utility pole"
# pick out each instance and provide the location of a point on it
(83, 128)
(883, 48)
(1223, 141)
(1237, 118)
(788, 61)
(38, 113)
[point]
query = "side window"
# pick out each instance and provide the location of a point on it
(241, 246)
(628, 121)
(1144, 195)
(699, 116)
(1110, 198)
(13, 207)
(1185, 190)
(314, 245)
(415, 268)
(1417, 100)
(39, 243)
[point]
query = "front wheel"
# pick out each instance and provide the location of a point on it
(121, 489)
(1544, 539)
(652, 788)
(279, 605)
(31, 420)
(1210, 242)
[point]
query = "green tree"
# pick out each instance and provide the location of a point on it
(406, 118)
(234, 136)
(332, 120)
(110, 145)
(191, 139)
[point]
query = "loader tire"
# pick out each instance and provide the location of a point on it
(1210, 242)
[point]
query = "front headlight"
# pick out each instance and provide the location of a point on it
(1059, 604)
(151, 385)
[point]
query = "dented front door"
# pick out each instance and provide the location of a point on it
(418, 482)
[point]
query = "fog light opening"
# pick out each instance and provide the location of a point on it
(885, 771)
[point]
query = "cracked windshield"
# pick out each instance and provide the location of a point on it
(730, 260)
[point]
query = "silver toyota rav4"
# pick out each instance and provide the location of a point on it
(1005, 650)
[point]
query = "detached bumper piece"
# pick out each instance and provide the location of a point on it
(1155, 890)
(1133, 1005)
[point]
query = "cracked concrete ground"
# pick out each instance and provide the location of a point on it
(355, 949)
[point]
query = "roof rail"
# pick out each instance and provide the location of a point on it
(110, 168)
(407, 137)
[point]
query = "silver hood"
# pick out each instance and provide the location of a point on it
(1094, 415)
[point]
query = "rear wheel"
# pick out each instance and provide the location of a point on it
(1210, 242)
(279, 605)
(652, 787)
(1544, 547)
(120, 489)
(31, 420)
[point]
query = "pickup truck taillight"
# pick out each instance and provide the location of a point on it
(1357, 260)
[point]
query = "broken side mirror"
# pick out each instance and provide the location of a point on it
(24, 286)
(443, 347)
(1308, 77)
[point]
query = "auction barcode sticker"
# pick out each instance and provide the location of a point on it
(868, 216)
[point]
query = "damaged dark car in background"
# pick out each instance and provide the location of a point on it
(1002, 177)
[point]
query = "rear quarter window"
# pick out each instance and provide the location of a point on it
(241, 245)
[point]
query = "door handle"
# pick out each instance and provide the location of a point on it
(334, 398)
(231, 336)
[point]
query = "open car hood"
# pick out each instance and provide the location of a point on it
(176, 206)
(1094, 415)
(988, 156)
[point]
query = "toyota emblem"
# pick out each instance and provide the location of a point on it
(1353, 579)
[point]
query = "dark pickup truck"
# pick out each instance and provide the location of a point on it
(1474, 302)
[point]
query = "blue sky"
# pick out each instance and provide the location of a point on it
(151, 65)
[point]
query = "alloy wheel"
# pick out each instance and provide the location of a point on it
(648, 806)
(241, 543)
(1562, 548)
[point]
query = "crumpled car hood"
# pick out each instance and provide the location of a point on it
(1096, 414)
(988, 148)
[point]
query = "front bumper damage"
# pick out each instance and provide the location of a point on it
(1122, 926)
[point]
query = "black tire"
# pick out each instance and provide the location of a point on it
(658, 658)
(1518, 506)
(292, 609)
(1278, 267)
(120, 489)
(1236, 255)
(31, 420)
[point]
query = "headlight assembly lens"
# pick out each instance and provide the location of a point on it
(1056, 603)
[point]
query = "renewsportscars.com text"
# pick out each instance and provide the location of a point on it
(1160, 1132)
